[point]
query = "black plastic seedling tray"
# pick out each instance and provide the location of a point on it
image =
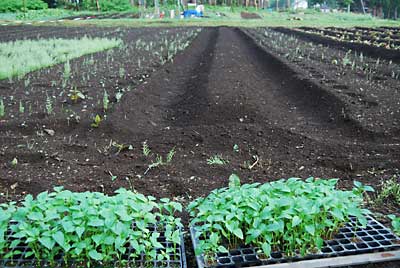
(351, 240)
(177, 260)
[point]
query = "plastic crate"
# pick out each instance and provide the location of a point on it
(350, 240)
(177, 260)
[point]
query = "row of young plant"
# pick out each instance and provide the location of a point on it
(366, 78)
(69, 95)
(345, 61)
(373, 38)
(90, 228)
(289, 216)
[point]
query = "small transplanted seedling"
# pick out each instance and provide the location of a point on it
(121, 147)
(2, 108)
(112, 176)
(96, 121)
(66, 73)
(21, 107)
(145, 149)
(236, 148)
(14, 162)
(49, 105)
(75, 95)
(159, 159)
(106, 101)
(217, 160)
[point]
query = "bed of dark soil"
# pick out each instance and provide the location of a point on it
(223, 95)
(249, 15)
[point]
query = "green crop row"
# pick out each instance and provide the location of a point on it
(286, 215)
(89, 227)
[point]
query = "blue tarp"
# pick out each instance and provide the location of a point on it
(190, 13)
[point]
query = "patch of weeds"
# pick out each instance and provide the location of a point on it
(390, 191)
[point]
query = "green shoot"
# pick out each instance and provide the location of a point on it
(217, 160)
(145, 149)
(96, 121)
(2, 108)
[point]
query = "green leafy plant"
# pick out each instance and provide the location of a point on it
(96, 121)
(286, 215)
(89, 227)
(217, 160)
(75, 95)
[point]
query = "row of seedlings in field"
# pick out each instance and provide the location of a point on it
(71, 92)
(23, 86)
(371, 37)
(90, 229)
(170, 45)
(255, 224)
(297, 50)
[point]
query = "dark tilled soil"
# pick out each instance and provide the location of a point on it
(248, 15)
(222, 91)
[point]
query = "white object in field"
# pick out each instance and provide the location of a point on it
(172, 14)
(200, 8)
(191, 6)
(303, 4)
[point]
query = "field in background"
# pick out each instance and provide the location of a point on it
(215, 16)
